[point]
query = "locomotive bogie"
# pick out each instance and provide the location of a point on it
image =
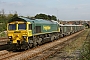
(26, 33)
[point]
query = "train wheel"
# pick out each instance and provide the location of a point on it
(35, 41)
(52, 38)
(62, 35)
(39, 41)
(35, 44)
(27, 47)
(31, 45)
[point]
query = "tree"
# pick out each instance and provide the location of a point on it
(4, 19)
(49, 17)
(53, 17)
(44, 16)
(15, 15)
(41, 16)
(10, 15)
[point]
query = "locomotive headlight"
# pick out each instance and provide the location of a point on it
(10, 37)
(24, 37)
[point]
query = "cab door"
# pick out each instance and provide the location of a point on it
(30, 29)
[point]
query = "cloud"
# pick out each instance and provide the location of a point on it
(62, 9)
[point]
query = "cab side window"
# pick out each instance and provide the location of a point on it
(30, 27)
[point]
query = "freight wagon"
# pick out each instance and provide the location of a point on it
(25, 33)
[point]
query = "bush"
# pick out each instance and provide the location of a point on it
(85, 54)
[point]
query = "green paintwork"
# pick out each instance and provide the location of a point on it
(47, 26)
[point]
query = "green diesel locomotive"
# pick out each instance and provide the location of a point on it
(25, 33)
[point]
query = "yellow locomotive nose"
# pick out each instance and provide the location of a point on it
(17, 38)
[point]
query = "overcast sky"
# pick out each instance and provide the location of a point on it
(63, 9)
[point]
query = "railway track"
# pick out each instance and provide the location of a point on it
(3, 52)
(48, 52)
(46, 49)
(44, 55)
(6, 54)
(3, 41)
(72, 51)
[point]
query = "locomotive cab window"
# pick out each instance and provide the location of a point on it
(12, 27)
(21, 26)
(30, 27)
